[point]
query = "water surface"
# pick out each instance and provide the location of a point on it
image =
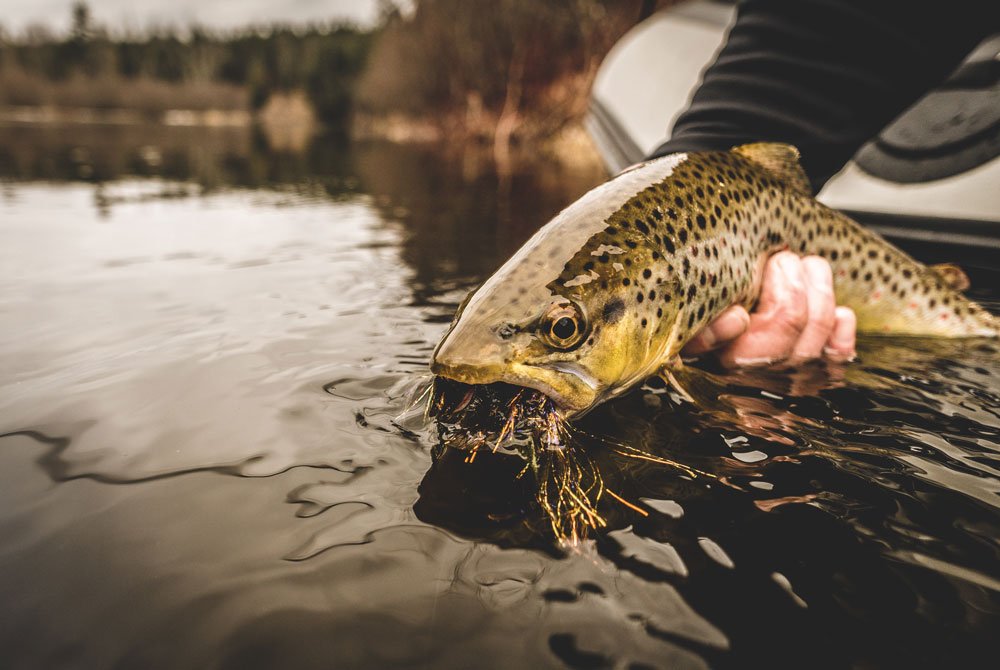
(204, 345)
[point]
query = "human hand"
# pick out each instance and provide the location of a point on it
(796, 319)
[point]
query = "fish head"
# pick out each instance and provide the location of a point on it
(587, 308)
(579, 344)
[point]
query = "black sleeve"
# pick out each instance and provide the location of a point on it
(826, 75)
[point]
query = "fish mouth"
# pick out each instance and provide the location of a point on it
(568, 386)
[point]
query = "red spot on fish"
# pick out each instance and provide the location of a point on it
(913, 305)
(841, 272)
(944, 316)
(876, 295)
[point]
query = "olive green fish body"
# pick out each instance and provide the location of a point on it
(613, 287)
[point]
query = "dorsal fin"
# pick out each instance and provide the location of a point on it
(781, 160)
(953, 276)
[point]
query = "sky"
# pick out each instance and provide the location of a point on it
(16, 15)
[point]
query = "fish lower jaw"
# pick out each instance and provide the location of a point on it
(567, 401)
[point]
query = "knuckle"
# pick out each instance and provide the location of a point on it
(793, 316)
(824, 321)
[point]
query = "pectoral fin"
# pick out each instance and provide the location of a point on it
(676, 375)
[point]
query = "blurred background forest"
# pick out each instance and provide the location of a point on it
(497, 74)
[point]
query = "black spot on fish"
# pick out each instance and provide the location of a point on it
(588, 266)
(647, 273)
(613, 310)
(641, 227)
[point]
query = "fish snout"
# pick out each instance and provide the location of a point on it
(469, 360)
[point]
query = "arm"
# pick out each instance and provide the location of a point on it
(826, 75)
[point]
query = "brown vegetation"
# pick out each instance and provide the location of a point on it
(150, 97)
(496, 72)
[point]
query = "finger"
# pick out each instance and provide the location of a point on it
(840, 346)
(821, 306)
(726, 327)
(781, 315)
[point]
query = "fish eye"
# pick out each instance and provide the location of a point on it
(564, 326)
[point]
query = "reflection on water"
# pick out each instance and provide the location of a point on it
(203, 358)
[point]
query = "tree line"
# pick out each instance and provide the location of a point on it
(197, 68)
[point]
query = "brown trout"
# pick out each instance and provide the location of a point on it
(608, 292)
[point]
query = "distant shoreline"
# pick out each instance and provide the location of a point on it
(53, 114)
